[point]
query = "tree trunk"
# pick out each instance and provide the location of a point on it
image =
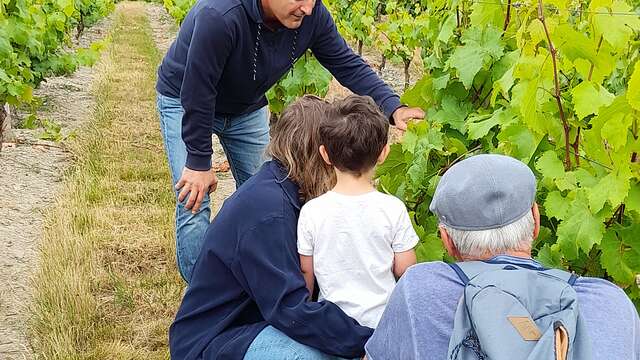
(5, 125)
(360, 47)
(379, 9)
(407, 63)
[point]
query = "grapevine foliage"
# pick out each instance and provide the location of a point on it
(306, 77)
(33, 34)
(554, 84)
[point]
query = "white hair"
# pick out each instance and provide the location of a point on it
(513, 237)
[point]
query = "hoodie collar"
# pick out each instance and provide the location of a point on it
(254, 9)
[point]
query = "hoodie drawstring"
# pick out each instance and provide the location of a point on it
(255, 51)
(293, 50)
(256, 48)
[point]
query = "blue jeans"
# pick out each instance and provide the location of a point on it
(272, 344)
(244, 139)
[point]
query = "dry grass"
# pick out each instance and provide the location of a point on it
(107, 286)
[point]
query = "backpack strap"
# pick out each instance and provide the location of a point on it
(461, 274)
(469, 269)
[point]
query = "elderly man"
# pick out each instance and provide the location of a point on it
(485, 205)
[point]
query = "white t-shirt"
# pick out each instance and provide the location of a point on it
(352, 239)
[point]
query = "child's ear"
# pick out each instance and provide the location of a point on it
(383, 154)
(325, 156)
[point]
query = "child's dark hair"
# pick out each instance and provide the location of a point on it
(354, 132)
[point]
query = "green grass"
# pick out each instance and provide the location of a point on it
(107, 285)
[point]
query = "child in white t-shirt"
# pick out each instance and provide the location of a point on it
(356, 240)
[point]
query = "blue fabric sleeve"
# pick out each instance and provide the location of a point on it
(395, 336)
(349, 68)
(211, 44)
(269, 266)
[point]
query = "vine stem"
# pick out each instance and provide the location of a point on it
(553, 51)
(507, 18)
(592, 65)
(575, 145)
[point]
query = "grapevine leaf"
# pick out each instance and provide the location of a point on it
(446, 31)
(615, 130)
(556, 206)
(420, 95)
(480, 45)
(614, 29)
(525, 98)
(468, 60)
(550, 166)
(486, 13)
(441, 82)
(633, 199)
(409, 141)
(566, 182)
(5, 47)
(519, 142)
(453, 113)
(633, 93)
(550, 256)
(621, 254)
(585, 178)
(430, 248)
(581, 230)
(479, 126)
(613, 188)
(395, 163)
(593, 141)
(588, 98)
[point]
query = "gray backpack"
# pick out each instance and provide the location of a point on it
(514, 310)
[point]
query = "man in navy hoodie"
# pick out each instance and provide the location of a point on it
(228, 53)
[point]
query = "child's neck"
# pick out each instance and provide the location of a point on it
(349, 184)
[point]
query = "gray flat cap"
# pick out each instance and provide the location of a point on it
(484, 192)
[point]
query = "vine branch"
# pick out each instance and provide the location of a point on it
(592, 64)
(507, 18)
(556, 95)
(575, 146)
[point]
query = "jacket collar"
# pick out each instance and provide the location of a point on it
(515, 261)
(291, 189)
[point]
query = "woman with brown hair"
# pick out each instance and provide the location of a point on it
(247, 298)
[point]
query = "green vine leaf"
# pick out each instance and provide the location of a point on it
(581, 230)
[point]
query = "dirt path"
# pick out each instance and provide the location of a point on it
(30, 174)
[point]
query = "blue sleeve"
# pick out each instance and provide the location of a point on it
(351, 71)
(211, 44)
(269, 266)
(394, 338)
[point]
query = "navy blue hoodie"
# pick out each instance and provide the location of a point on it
(225, 59)
(248, 276)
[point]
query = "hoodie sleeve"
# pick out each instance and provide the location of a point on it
(349, 69)
(270, 270)
(211, 44)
